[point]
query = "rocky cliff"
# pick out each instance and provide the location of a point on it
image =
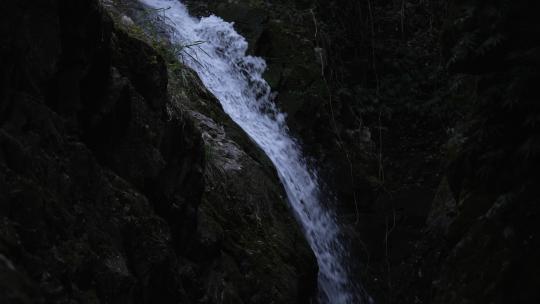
(422, 117)
(122, 180)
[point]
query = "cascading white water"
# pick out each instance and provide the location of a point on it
(236, 80)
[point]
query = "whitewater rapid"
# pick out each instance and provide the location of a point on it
(236, 80)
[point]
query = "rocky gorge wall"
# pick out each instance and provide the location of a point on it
(122, 180)
(422, 118)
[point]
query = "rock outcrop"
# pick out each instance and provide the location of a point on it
(118, 186)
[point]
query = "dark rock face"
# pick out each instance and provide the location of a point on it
(120, 182)
(422, 117)
(84, 157)
(492, 234)
(104, 188)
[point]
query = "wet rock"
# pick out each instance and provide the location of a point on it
(432, 168)
(105, 190)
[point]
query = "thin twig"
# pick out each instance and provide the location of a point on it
(338, 136)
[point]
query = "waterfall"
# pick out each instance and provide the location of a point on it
(236, 80)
